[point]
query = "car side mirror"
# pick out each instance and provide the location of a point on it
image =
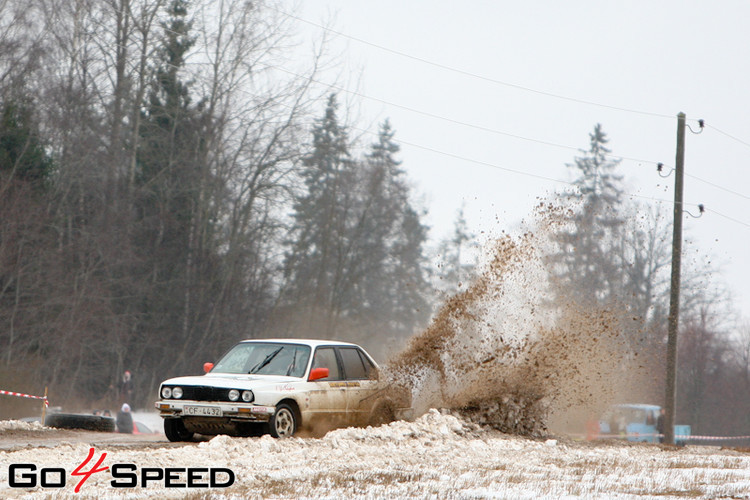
(207, 367)
(318, 373)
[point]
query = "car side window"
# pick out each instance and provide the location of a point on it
(355, 367)
(325, 357)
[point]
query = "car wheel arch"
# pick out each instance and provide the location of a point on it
(285, 421)
(295, 407)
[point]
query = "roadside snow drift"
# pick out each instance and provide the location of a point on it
(438, 455)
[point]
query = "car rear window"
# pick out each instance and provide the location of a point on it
(355, 367)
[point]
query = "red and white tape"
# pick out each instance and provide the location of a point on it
(21, 395)
(698, 438)
(717, 438)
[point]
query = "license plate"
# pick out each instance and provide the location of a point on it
(204, 411)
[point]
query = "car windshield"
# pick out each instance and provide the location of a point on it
(265, 358)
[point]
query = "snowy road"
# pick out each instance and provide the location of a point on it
(437, 456)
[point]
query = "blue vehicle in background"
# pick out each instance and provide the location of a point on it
(637, 422)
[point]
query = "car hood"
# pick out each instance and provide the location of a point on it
(230, 381)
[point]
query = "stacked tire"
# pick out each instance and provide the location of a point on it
(80, 421)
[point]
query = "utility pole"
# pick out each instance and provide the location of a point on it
(674, 295)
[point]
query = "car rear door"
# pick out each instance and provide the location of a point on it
(361, 384)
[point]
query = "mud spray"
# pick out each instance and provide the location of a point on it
(503, 354)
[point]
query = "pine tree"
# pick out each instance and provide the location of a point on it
(452, 270)
(22, 154)
(585, 267)
(169, 132)
(175, 224)
(397, 237)
(314, 265)
(355, 260)
(26, 241)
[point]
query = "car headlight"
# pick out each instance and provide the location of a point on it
(166, 392)
(234, 395)
(177, 392)
(248, 396)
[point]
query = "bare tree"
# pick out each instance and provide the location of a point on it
(78, 275)
(704, 355)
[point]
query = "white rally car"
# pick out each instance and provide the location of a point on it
(280, 386)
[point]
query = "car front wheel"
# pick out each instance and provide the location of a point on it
(283, 423)
(175, 430)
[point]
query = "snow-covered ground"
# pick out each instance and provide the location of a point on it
(437, 456)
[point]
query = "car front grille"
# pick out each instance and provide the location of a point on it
(200, 393)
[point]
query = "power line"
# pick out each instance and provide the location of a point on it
(493, 80)
(459, 122)
(718, 186)
(728, 218)
(511, 170)
(729, 135)
(475, 75)
(542, 177)
(487, 129)
(499, 132)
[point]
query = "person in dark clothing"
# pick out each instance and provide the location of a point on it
(126, 388)
(660, 425)
(125, 420)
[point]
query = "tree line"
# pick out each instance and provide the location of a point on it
(166, 190)
(162, 196)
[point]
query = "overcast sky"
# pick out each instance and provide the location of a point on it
(491, 99)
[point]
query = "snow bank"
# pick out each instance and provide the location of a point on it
(438, 455)
(18, 425)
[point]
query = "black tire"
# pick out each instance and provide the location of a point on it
(382, 414)
(175, 430)
(283, 423)
(85, 422)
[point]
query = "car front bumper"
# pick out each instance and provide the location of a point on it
(214, 410)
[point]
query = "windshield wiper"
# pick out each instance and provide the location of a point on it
(265, 361)
(293, 364)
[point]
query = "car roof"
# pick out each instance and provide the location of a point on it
(310, 342)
